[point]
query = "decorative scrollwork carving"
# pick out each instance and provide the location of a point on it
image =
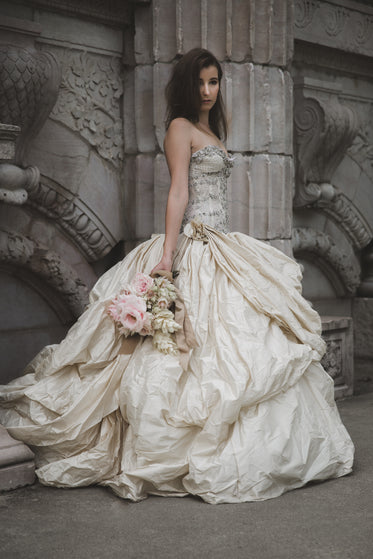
(335, 264)
(323, 132)
(29, 83)
(304, 11)
(17, 250)
(335, 20)
(89, 101)
(363, 29)
(70, 213)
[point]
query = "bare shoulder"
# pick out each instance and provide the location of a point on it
(179, 134)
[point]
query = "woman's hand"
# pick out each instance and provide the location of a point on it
(164, 264)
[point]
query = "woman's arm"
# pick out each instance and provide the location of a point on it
(177, 144)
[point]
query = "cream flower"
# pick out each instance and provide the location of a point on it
(164, 321)
(165, 343)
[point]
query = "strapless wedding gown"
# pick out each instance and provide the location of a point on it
(253, 415)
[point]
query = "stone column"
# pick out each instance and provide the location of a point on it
(253, 40)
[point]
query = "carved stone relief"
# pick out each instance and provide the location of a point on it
(344, 25)
(332, 360)
(335, 264)
(73, 216)
(29, 82)
(89, 100)
(18, 250)
(338, 359)
(324, 129)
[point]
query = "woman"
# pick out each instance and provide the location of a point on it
(252, 414)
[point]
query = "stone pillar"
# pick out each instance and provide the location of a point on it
(253, 40)
(16, 459)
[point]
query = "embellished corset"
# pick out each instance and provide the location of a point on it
(208, 172)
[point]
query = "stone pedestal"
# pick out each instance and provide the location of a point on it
(17, 466)
(338, 360)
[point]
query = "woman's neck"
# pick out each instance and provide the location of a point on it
(204, 120)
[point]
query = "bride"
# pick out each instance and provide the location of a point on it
(252, 413)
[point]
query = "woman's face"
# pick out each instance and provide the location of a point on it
(208, 87)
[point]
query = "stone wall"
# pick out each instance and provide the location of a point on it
(61, 83)
(332, 70)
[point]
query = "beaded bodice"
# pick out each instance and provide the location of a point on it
(208, 172)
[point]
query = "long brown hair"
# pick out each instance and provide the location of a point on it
(183, 94)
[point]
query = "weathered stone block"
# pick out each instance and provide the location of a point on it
(239, 195)
(161, 188)
(282, 32)
(129, 189)
(272, 95)
(240, 27)
(237, 91)
(259, 107)
(338, 360)
(162, 74)
(144, 108)
(270, 196)
(76, 31)
(188, 25)
(143, 39)
(144, 196)
(164, 26)
(363, 327)
(129, 121)
(262, 51)
(213, 27)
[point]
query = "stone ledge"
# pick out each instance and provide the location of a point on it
(337, 332)
(17, 467)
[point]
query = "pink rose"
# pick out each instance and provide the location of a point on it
(130, 312)
(147, 329)
(142, 283)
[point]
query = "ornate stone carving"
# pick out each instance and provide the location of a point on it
(343, 212)
(73, 216)
(334, 263)
(28, 90)
(8, 137)
(332, 360)
(17, 250)
(15, 181)
(304, 11)
(345, 25)
(323, 132)
(89, 101)
(335, 20)
(338, 360)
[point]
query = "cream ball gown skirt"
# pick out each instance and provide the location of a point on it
(251, 417)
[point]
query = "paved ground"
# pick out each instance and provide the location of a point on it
(330, 520)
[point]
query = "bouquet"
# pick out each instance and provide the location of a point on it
(143, 307)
